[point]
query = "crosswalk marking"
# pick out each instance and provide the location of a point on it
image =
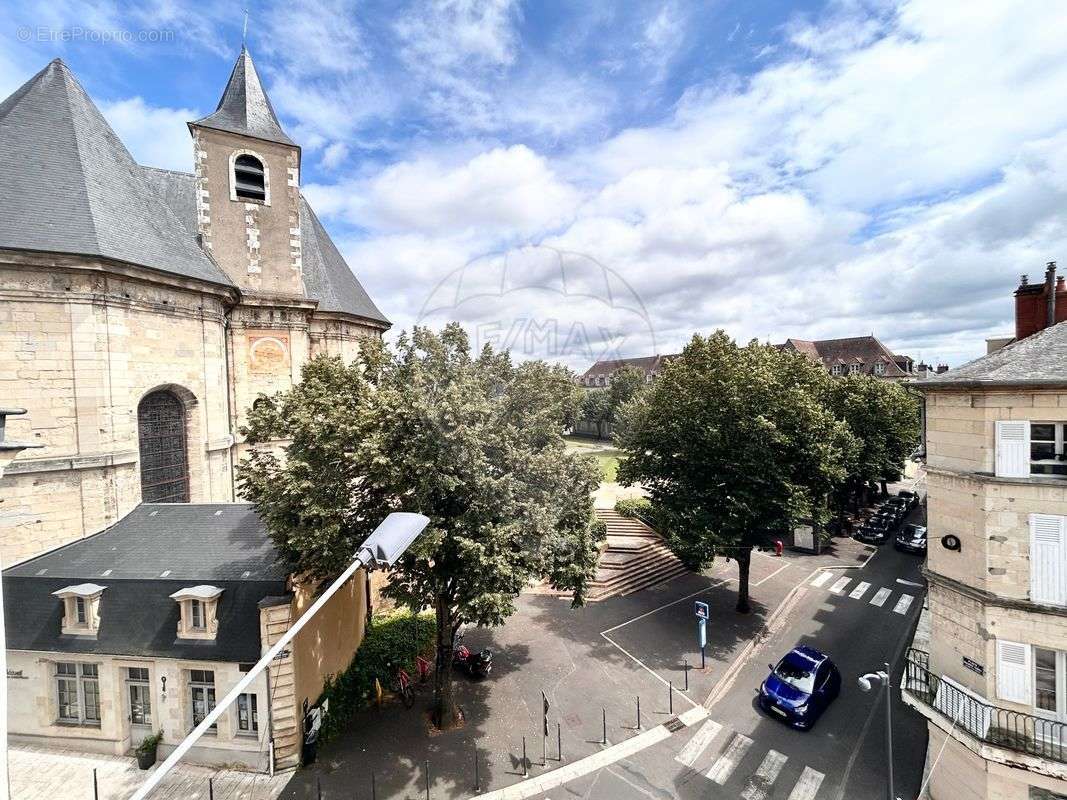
(840, 585)
(880, 597)
(695, 747)
(807, 786)
(903, 603)
(759, 785)
(821, 578)
(729, 760)
(860, 590)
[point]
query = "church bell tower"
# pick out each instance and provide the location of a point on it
(248, 189)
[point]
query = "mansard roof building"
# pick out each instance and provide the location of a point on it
(863, 355)
(143, 311)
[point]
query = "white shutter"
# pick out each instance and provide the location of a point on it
(1013, 671)
(1012, 451)
(1048, 559)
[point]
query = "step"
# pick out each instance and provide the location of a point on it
(649, 574)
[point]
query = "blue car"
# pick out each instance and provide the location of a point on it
(800, 687)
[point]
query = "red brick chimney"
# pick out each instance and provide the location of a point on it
(1040, 305)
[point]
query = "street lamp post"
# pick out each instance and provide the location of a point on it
(381, 549)
(8, 451)
(882, 676)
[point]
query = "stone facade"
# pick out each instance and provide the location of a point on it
(981, 593)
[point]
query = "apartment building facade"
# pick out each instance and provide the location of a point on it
(993, 685)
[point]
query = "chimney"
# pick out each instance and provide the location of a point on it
(1035, 304)
(942, 368)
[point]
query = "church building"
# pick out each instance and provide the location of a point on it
(143, 311)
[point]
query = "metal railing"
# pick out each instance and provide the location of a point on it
(1000, 727)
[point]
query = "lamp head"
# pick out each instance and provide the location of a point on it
(392, 537)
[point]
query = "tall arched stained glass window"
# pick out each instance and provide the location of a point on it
(164, 455)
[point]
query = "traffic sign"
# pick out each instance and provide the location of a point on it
(700, 609)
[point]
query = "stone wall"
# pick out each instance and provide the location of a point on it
(79, 348)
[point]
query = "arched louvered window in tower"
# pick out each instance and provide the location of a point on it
(248, 178)
(164, 455)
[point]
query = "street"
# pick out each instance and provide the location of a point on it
(861, 618)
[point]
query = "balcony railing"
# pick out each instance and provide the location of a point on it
(1000, 727)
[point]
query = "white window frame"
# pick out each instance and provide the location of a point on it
(250, 710)
(233, 178)
(835, 370)
(81, 611)
(1048, 559)
(1059, 434)
(204, 688)
(879, 369)
(145, 684)
(1011, 448)
(82, 679)
(197, 615)
(1014, 679)
(853, 369)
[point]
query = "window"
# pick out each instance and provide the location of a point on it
(139, 695)
(247, 715)
(249, 178)
(1037, 793)
(1045, 681)
(201, 694)
(198, 611)
(853, 369)
(196, 615)
(161, 442)
(79, 611)
(879, 369)
(78, 693)
(836, 369)
(1046, 449)
(1048, 559)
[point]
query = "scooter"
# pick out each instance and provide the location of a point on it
(477, 665)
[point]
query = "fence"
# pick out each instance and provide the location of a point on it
(1000, 727)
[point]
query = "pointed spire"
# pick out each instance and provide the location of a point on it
(245, 108)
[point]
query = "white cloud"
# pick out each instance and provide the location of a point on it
(155, 136)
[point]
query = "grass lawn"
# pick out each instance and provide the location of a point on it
(606, 455)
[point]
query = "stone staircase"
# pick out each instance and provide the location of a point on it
(634, 558)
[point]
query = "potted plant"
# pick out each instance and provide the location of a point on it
(146, 750)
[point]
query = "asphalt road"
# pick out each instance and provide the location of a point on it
(742, 753)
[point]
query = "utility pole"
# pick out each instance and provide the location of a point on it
(8, 451)
(883, 677)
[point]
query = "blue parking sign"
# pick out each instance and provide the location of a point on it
(700, 609)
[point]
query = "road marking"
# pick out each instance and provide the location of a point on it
(759, 785)
(729, 760)
(808, 785)
(909, 583)
(839, 587)
(860, 590)
(880, 597)
(903, 603)
(695, 747)
(822, 578)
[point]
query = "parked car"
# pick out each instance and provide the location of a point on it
(874, 531)
(893, 515)
(899, 502)
(911, 539)
(800, 687)
(912, 497)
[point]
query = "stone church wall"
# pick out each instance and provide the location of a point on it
(79, 348)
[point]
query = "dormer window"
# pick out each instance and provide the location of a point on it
(853, 369)
(81, 609)
(199, 611)
(248, 178)
(879, 369)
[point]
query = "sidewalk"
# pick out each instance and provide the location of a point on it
(39, 773)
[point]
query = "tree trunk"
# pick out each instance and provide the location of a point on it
(885, 489)
(744, 561)
(445, 711)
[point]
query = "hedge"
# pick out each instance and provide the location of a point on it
(390, 639)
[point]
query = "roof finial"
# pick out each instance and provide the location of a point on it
(244, 31)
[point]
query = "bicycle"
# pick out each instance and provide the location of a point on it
(402, 687)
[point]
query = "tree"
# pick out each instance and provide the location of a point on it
(626, 383)
(884, 417)
(596, 408)
(735, 447)
(473, 442)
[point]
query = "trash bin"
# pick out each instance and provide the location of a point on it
(311, 747)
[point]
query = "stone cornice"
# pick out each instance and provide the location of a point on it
(988, 598)
(987, 477)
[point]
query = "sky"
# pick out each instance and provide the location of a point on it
(587, 180)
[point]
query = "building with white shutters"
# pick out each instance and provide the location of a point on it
(994, 684)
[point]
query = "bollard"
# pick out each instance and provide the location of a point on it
(639, 712)
(96, 792)
(670, 698)
(427, 780)
(477, 780)
(211, 789)
(605, 714)
(318, 787)
(685, 667)
(373, 787)
(559, 743)
(525, 770)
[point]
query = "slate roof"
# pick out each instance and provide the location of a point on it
(1037, 360)
(865, 351)
(68, 185)
(244, 107)
(327, 277)
(152, 552)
